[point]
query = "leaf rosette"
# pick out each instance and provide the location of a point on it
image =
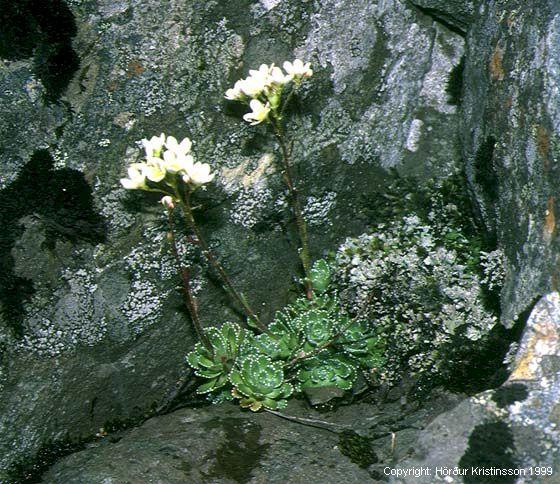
(259, 382)
(215, 364)
(327, 371)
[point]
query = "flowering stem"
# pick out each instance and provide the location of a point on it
(296, 205)
(185, 278)
(187, 210)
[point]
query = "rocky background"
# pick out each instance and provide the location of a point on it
(93, 329)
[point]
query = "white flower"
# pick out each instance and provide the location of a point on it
(136, 179)
(235, 93)
(298, 69)
(178, 148)
(278, 77)
(259, 113)
(154, 169)
(254, 85)
(263, 71)
(154, 145)
(174, 163)
(198, 174)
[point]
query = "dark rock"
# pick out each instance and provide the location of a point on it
(223, 444)
(455, 14)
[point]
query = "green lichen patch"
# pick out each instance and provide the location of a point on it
(509, 394)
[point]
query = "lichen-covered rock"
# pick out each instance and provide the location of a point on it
(515, 426)
(510, 139)
(90, 308)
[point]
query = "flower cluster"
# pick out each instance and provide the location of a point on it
(263, 88)
(167, 162)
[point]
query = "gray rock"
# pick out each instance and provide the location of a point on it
(222, 444)
(100, 321)
(512, 427)
(510, 140)
(217, 444)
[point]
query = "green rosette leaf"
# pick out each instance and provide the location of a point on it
(361, 342)
(320, 276)
(215, 363)
(327, 371)
(259, 382)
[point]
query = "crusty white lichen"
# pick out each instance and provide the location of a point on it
(417, 289)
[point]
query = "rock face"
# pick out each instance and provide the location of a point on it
(216, 444)
(93, 327)
(510, 137)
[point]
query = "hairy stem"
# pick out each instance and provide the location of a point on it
(185, 278)
(296, 206)
(215, 263)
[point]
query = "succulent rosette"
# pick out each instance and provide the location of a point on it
(259, 382)
(281, 342)
(360, 342)
(318, 328)
(320, 276)
(327, 371)
(216, 364)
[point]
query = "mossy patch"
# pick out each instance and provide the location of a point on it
(508, 395)
(357, 448)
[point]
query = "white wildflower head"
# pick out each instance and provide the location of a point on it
(254, 86)
(235, 93)
(259, 112)
(298, 69)
(177, 148)
(277, 77)
(198, 174)
(265, 85)
(154, 145)
(136, 179)
(168, 162)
